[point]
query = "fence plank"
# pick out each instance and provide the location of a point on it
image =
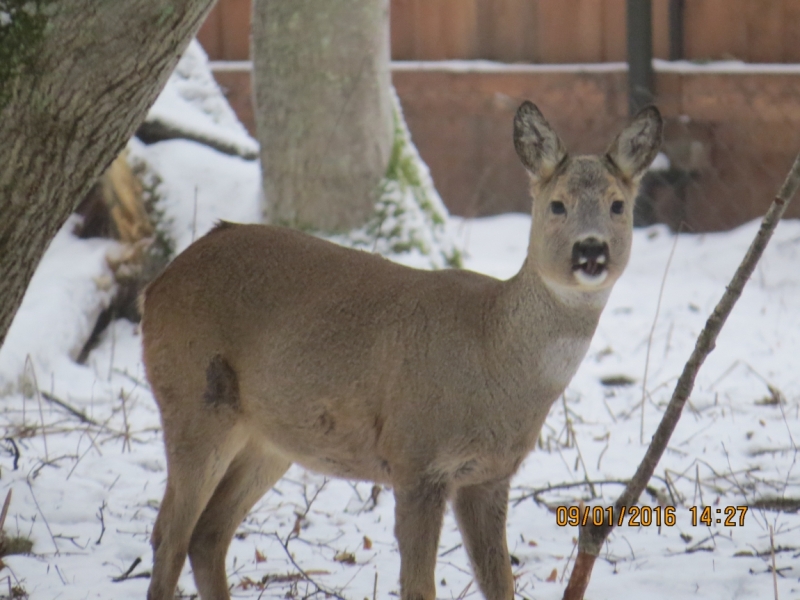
(614, 31)
(235, 22)
(765, 24)
(556, 31)
(210, 34)
(661, 29)
(402, 30)
(507, 30)
(791, 31)
(568, 31)
(715, 29)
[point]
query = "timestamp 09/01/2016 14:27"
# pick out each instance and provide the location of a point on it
(647, 516)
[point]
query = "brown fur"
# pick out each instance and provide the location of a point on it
(265, 346)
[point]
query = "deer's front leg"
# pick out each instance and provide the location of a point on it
(481, 515)
(419, 509)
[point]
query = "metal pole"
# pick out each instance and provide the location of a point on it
(640, 55)
(676, 29)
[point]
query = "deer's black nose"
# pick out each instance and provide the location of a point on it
(591, 250)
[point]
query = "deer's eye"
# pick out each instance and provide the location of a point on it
(558, 208)
(617, 207)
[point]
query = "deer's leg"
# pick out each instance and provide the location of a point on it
(250, 475)
(196, 464)
(419, 510)
(481, 515)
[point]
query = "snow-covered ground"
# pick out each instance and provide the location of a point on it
(87, 492)
(83, 456)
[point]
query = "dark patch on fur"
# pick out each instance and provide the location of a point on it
(326, 422)
(222, 384)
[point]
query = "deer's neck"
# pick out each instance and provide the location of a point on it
(545, 332)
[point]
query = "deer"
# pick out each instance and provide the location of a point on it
(265, 347)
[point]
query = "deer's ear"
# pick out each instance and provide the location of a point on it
(637, 145)
(537, 145)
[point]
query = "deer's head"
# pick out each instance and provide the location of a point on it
(583, 205)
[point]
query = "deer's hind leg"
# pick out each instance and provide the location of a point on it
(203, 434)
(250, 475)
(196, 463)
(481, 514)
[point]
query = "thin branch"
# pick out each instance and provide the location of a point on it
(304, 574)
(591, 538)
(774, 571)
(653, 330)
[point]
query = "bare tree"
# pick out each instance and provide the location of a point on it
(76, 78)
(324, 115)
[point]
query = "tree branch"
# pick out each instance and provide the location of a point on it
(591, 538)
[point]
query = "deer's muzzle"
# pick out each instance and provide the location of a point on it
(590, 260)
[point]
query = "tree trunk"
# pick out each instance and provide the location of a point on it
(323, 110)
(76, 79)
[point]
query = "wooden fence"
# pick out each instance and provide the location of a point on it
(731, 133)
(552, 31)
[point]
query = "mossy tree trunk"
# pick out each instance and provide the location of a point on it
(323, 109)
(76, 78)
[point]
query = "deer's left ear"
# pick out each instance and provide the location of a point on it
(637, 145)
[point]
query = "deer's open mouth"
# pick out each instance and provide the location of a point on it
(591, 267)
(590, 261)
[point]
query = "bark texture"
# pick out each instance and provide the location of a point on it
(82, 75)
(323, 110)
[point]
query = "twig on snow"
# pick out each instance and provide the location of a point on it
(127, 574)
(102, 523)
(14, 452)
(70, 409)
(591, 538)
(4, 513)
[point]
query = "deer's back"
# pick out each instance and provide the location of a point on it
(342, 358)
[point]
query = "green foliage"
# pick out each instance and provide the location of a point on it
(162, 250)
(408, 215)
(22, 29)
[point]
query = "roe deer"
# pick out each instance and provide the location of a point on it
(266, 347)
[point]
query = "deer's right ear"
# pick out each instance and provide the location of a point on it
(537, 145)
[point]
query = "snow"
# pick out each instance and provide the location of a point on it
(192, 102)
(199, 186)
(484, 66)
(659, 65)
(660, 163)
(59, 309)
(724, 66)
(727, 450)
